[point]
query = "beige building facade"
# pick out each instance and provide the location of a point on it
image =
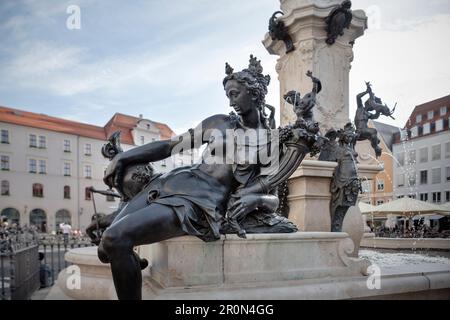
(48, 164)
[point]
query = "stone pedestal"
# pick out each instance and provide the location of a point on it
(305, 20)
(303, 265)
(366, 154)
(262, 264)
(309, 199)
(89, 280)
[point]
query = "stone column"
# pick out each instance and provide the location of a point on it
(309, 199)
(305, 20)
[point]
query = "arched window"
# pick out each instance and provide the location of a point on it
(62, 216)
(5, 188)
(38, 218)
(66, 192)
(38, 190)
(12, 215)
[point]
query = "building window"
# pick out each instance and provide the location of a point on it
(148, 126)
(5, 188)
(5, 136)
(423, 155)
(430, 114)
(401, 180)
(439, 125)
(426, 128)
(379, 202)
(437, 197)
(66, 169)
(38, 190)
(424, 197)
(88, 172)
(87, 193)
(447, 196)
(401, 159)
(423, 176)
(418, 118)
(33, 141)
(66, 192)
(66, 145)
(4, 160)
(380, 185)
(42, 142)
(414, 132)
(163, 163)
(447, 150)
(142, 140)
(87, 149)
(447, 174)
(32, 166)
(110, 198)
(42, 167)
(436, 152)
(412, 179)
(412, 157)
(443, 111)
(412, 196)
(436, 175)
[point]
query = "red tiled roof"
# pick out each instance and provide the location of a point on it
(124, 121)
(119, 121)
(428, 106)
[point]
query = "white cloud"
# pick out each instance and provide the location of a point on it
(406, 60)
(39, 59)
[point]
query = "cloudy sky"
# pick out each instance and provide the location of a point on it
(165, 58)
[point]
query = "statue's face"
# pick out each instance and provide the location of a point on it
(240, 97)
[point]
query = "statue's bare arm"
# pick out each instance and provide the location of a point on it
(359, 99)
(159, 150)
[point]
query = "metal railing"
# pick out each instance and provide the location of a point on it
(54, 249)
(19, 267)
(29, 261)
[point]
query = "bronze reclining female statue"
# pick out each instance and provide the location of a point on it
(210, 198)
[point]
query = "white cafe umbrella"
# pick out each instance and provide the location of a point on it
(446, 206)
(365, 208)
(410, 207)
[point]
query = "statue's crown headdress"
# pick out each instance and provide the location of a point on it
(254, 69)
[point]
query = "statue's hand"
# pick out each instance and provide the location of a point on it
(96, 228)
(114, 173)
(244, 206)
(309, 73)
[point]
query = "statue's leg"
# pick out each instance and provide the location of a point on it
(374, 141)
(134, 205)
(151, 224)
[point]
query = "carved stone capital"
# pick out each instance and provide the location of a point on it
(305, 19)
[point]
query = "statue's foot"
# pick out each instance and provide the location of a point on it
(242, 234)
(378, 152)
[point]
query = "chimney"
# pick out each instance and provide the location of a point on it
(141, 116)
